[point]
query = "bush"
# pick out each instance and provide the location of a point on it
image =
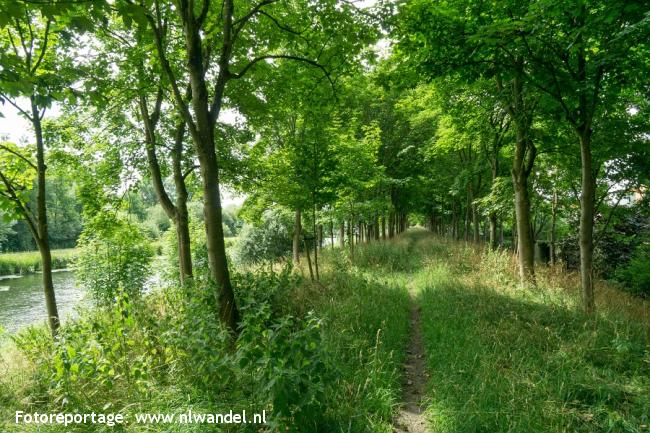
(636, 275)
(270, 241)
(115, 254)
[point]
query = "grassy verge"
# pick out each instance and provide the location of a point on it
(30, 261)
(317, 357)
(509, 359)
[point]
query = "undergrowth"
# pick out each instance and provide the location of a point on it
(317, 357)
(327, 357)
(503, 358)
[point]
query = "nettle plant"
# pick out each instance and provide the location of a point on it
(115, 255)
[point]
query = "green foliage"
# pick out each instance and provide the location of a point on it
(156, 222)
(114, 256)
(636, 274)
(268, 240)
(385, 257)
(315, 361)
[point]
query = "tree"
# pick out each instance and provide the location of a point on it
(231, 32)
(480, 40)
(582, 55)
(28, 50)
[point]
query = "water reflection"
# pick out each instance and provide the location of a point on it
(22, 301)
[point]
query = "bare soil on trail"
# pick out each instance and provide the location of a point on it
(410, 418)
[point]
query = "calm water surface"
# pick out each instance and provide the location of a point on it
(22, 301)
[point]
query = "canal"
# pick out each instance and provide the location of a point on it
(22, 301)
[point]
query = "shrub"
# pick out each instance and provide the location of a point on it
(114, 255)
(270, 241)
(636, 274)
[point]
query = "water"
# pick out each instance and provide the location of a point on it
(22, 301)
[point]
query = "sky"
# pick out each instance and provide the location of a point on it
(15, 128)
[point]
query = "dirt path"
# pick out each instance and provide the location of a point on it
(411, 417)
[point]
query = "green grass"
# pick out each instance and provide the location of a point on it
(30, 261)
(330, 352)
(507, 359)
(500, 358)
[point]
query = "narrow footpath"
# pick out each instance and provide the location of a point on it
(410, 418)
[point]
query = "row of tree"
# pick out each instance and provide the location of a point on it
(297, 106)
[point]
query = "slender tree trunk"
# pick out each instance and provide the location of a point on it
(342, 234)
(316, 241)
(184, 245)
(351, 235)
(307, 253)
(181, 220)
(42, 240)
(331, 233)
(228, 313)
(522, 166)
(525, 243)
(201, 120)
(391, 224)
(48, 286)
(177, 213)
(476, 223)
(383, 227)
(492, 217)
(297, 230)
(553, 227)
(587, 203)
(468, 213)
(493, 230)
(320, 237)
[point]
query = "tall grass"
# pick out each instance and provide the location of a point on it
(503, 358)
(327, 356)
(318, 357)
(30, 261)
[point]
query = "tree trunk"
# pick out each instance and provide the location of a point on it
(383, 227)
(48, 287)
(316, 241)
(468, 213)
(181, 220)
(342, 234)
(493, 230)
(476, 223)
(351, 236)
(320, 237)
(297, 230)
(201, 120)
(525, 243)
(522, 165)
(311, 270)
(587, 203)
(228, 313)
(501, 233)
(553, 227)
(331, 233)
(42, 240)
